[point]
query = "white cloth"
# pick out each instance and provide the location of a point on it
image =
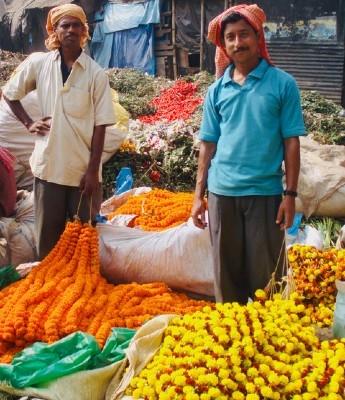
(76, 107)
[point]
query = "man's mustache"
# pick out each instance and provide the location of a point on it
(241, 49)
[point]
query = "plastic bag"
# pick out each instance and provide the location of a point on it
(41, 363)
(339, 312)
(292, 232)
(8, 275)
(310, 236)
(124, 180)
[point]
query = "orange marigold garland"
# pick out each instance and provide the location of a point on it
(66, 293)
(157, 210)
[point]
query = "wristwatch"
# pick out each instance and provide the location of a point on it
(290, 193)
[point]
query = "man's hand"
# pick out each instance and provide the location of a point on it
(89, 183)
(286, 212)
(198, 213)
(40, 127)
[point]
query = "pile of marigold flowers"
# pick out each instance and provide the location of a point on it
(315, 272)
(66, 293)
(157, 210)
(264, 350)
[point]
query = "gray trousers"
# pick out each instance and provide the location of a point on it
(246, 243)
(54, 204)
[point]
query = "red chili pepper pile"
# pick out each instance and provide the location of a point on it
(176, 102)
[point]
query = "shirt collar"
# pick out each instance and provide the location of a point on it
(258, 72)
(81, 60)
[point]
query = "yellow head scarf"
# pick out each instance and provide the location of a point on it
(55, 14)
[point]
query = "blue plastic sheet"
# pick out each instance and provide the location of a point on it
(131, 48)
(119, 17)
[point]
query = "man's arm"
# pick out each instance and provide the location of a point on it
(286, 210)
(40, 127)
(206, 152)
(90, 181)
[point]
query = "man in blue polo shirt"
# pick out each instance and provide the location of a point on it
(251, 123)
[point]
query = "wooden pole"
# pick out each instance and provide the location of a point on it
(173, 34)
(226, 4)
(202, 33)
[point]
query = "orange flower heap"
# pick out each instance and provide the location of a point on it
(157, 210)
(66, 293)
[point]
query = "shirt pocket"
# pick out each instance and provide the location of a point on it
(76, 102)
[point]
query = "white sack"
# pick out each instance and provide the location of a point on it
(15, 138)
(180, 256)
(19, 232)
(321, 185)
(141, 350)
(116, 201)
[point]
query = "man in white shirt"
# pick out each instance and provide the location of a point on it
(75, 100)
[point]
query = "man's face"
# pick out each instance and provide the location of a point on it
(69, 31)
(241, 42)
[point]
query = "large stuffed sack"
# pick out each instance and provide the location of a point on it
(18, 245)
(15, 137)
(321, 185)
(180, 256)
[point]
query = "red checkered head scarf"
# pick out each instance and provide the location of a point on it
(255, 17)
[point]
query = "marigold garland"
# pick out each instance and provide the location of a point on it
(66, 293)
(157, 210)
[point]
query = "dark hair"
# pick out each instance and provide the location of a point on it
(230, 19)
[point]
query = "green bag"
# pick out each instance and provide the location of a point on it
(8, 274)
(40, 363)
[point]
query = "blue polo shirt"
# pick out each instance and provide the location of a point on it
(249, 124)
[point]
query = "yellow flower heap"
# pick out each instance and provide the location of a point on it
(264, 350)
(315, 272)
(158, 209)
(66, 293)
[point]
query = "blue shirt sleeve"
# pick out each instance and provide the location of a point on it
(210, 125)
(291, 117)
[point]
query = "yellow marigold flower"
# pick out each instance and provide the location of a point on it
(260, 294)
(252, 396)
(266, 391)
(192, 396)
(237, 395)
(188, 389)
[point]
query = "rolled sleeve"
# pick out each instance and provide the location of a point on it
(291, 120)
(22, 81)
(104, 109)
(210, 125)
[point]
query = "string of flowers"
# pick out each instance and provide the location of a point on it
(314, 274)
(66, 293)
(157, 210)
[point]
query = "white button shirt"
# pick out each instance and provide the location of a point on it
(83, 102)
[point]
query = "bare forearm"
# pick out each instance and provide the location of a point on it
(18, 110)
(206, 153)
(292, 162)
(97, 145)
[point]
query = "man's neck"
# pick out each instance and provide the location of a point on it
(70, 54)
(245, 69)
